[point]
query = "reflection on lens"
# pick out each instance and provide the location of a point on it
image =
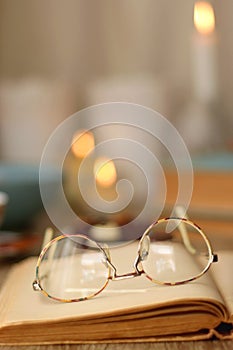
(73, 268)
(178, 251)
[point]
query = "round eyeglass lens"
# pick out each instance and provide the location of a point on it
(73, 267)
(174, 251)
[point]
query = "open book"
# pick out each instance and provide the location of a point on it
(128, 310)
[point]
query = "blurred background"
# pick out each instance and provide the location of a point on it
(57, 57)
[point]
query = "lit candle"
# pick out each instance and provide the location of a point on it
(105, 176)
(204, 52)
(82, 145)
(83, 142)
(105, 172)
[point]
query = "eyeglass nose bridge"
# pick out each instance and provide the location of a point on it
(114, 276)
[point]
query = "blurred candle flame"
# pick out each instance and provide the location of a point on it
(204, 19)
(105, 172)
(83, 142)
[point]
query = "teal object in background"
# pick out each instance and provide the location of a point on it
(214, 162)
(21, 183)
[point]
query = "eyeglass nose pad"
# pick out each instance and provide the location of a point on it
(107, 256)
(144, 248)
(104, 261)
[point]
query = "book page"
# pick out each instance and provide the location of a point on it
(222, 275)
(118, 298)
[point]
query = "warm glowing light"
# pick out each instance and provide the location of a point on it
(105, 172)
(83, 142)
(204, 19)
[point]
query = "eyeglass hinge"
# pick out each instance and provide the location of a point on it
(36, 286)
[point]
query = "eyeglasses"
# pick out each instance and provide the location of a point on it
(171, 251)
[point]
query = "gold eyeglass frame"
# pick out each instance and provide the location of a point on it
(138, 267)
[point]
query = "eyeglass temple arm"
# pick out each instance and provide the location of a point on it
(180, 212)
(48, 236)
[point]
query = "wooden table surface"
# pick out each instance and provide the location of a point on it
(208, 190)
